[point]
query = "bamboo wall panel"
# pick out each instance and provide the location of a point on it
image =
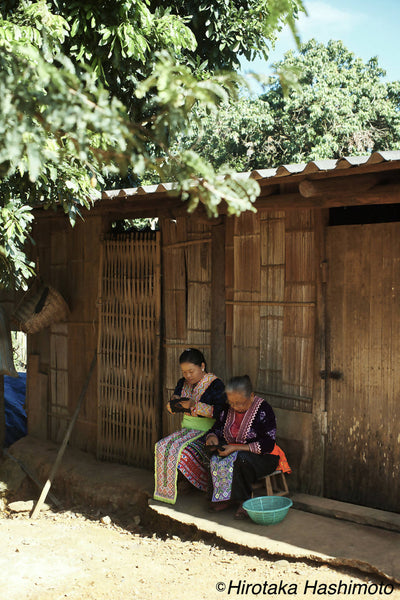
(248, 224)
(273, 283)
(84, 337)
(273, 242)
(299, 249)
(247, 267)
(59, 404)
(271, 355)
(299, 220)
(57, 337)
(59, 247)
(246, 336)
(187, 272)
(128, 349)
(83, 270)
(273, 301)
(363, 304)
(198, 306)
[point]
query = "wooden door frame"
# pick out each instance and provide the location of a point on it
(319, 411)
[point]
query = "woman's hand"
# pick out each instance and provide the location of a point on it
(212, 440)
(187, 403)
(168, 406)
(229, 448)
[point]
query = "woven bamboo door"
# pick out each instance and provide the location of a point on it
(129, 348)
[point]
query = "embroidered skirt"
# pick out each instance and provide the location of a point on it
(168, 454)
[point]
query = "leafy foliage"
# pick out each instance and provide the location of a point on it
(15, 220)
(226, 29)
(339, 106)
(98, 89)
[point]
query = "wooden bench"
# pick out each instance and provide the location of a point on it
(274, 484)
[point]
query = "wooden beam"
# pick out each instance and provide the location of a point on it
(284, 201)
(335, 186)
(382, 194)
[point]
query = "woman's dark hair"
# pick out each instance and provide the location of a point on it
(241, 384)
(194, 356)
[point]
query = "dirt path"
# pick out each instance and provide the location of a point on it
(66, 555)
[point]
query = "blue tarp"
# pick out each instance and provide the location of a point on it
(14, 400)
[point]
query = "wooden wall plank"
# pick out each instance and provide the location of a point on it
(36, 398)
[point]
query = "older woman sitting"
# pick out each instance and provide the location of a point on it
(246, 430)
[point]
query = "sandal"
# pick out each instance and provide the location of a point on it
(241, 514)
(218, 506)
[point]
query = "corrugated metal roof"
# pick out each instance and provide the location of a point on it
(268, 175)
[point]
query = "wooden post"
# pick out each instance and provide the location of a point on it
(218, 316)
(319, 388)
(61, 451)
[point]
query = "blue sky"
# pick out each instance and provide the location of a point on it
(366, 27)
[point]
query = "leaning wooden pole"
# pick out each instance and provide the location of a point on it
(61, 451)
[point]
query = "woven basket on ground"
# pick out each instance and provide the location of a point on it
(41, 306)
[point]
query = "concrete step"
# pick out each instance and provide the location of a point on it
(346, 511)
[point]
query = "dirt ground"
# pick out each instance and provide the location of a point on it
(79, 557)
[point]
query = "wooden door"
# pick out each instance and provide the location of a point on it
(363, 400)
(129, 349)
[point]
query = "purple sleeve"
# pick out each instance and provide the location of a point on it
(263, 430)
(218, 427)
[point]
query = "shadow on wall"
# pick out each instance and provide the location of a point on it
(294, 450)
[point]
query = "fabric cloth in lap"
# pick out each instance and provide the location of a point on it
(233, 479)
(194, 463)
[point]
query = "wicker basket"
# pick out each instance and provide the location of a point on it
(41, 306)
